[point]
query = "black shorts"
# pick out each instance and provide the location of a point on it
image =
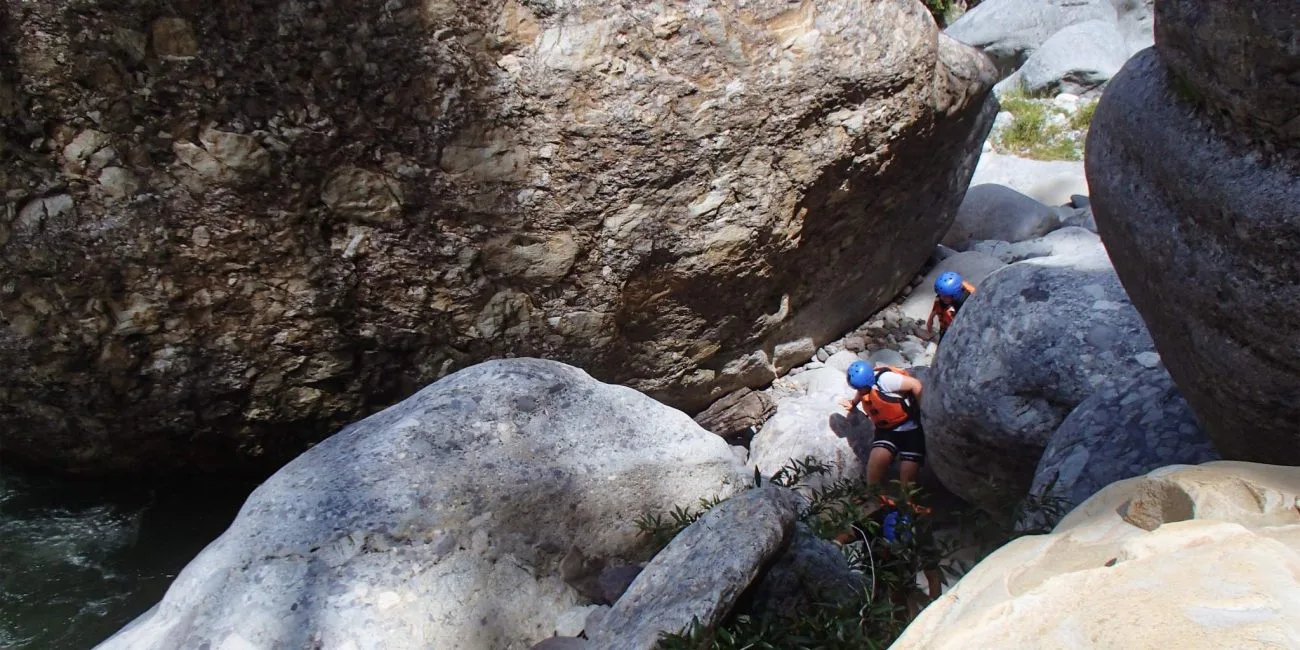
(907, 445)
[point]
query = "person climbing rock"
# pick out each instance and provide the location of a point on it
(950, 293)
(890, 397)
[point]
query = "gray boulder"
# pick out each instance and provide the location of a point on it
(992, 211)
(1125, 429)
(1009, 31)
(1205, 230)
(973, 266)
(1036, 340)
(1050, 182)
(841, 360)
(635, 188)
(1239, 58)
(811, 570)
(1078, 60)
(1136, 22)
(442, 520)
(703, 571)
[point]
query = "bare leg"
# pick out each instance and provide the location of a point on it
(907, 471)
(935, 583)
(878, 464)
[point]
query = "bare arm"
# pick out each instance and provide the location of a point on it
(912, 385)
(851, 404)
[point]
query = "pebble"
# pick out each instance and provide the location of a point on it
(1148, 359)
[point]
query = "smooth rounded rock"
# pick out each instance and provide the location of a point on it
(1050, 182)
(1194, 558)
(1018, 359)
(992, 211)
(1079, 59)
(658, 192)
(1205, 233)
(1124, 430)
(445, 520)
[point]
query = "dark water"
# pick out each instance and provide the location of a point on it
(80, 560)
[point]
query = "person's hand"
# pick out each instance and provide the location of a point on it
(848, 404)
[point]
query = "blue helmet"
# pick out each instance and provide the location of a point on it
(895, 527)
(948, 285)
(861, 376)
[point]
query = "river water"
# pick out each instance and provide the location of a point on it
(80, 560)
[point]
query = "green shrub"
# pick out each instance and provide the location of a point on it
(884, 601)
(1031, 133)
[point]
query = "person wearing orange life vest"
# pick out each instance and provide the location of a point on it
(890, 397)
(950, 293)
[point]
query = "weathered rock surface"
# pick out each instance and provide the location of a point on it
(1010, 31)
(444, 520)
(1239, 58)
(992, 211)
(1037, 339)
(703, 571)
(242, 225)
(1186, 557)
(1205, 232)
(814, 424)
(1122, 431)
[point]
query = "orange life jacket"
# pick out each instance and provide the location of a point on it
(887, 412)
(947, 312)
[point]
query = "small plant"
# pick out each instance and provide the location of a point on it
(661, 530)
(881, 606)
(1039, 130)
(942, 10)
(1082, 119)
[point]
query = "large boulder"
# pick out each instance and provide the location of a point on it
(204, 273)
(1186, 557)
(991, 211)
(1010, 31)
(1123, 430)
(810, 570)
(1078, 60)
(1205, 231)
(444, 520)
(703, 571)
(1037, 339)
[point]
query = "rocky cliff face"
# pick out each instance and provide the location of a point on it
(233, 226)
